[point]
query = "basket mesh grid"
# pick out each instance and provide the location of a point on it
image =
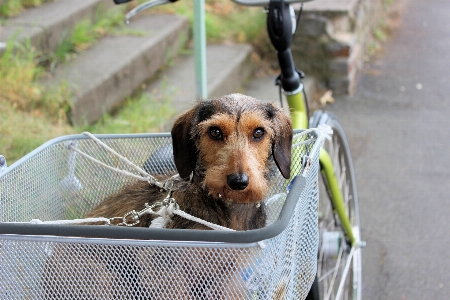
(56, 183)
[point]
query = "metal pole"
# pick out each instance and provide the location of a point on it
(3, 164)
(200, 49)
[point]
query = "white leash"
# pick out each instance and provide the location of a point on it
(167, 208)
(165, 214)
(71, 222)
(325, 129)
(144, 175)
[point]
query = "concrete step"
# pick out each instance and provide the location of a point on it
(229, 70)
(47, 24)
(264, 88)
(103, 76)
(229, 67)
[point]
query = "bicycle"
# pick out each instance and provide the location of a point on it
(339, 256)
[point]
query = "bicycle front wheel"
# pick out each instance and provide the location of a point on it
(339, 266)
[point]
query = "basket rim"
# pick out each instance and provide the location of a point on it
(140, 233)
(27, 230)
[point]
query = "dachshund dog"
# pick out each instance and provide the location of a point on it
(226, 147)
(225, 151)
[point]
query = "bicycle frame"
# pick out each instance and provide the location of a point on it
(298, 111)
(290, 80)
(300, 121)
(326, 165)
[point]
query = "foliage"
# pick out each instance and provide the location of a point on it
(21, 132)
(86, 33)
(142, 113)
(18, 75)
(10, 8)
(20, 85)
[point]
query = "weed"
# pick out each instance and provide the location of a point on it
(10, 8)
(85, 34)
(146, 112)
(380, 29)
(18, 74)
(21, 132)
(20, 86)
(31, 113)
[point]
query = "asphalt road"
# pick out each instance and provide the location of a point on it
(398, 124)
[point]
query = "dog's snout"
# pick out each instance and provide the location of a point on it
(237, 181)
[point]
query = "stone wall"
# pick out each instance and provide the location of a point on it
(333, 38)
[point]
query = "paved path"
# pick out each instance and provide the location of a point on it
(398, 124)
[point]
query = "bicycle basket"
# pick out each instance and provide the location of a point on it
(111, 262)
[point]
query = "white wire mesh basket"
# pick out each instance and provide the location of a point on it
(111, 262)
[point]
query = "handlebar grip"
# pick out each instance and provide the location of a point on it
(121, 1)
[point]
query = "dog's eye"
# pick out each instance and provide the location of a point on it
(258, 133)
(215, 133)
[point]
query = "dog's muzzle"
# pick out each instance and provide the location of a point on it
(237, 182)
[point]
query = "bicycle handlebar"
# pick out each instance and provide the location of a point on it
(263, 2)
(240, 2)
(280, 25)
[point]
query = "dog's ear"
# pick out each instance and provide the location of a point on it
(183, 140)
(282, 142)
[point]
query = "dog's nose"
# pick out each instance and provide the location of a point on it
(237, 181)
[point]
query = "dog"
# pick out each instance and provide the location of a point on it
(225, 151)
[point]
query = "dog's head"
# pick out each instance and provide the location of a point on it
(231, 140)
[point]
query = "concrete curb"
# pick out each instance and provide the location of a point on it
(46, 25)
(107, 73)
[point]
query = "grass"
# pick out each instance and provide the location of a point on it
(10, 8)
(30, 114)
(21, 131)
(145, 112)
(386, 24)
(18, 72)
(86, 33)
(20, 87)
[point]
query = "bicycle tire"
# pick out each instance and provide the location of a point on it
(330, 267)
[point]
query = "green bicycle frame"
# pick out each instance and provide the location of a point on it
(280, 29)
(296, 102)
(336, 197)
(299, 120)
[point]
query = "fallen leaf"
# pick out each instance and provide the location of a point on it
(327, 97)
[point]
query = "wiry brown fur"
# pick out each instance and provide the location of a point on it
(207, 195)
(191, 198)
(205, 164)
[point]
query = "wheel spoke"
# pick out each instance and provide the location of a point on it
(338, 276)
(330, 289)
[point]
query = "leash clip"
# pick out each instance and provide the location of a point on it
(133, 217)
